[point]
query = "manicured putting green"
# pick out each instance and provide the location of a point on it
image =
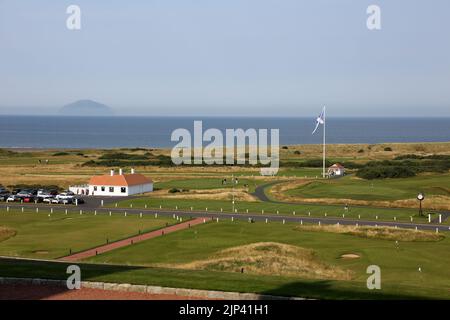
(39, 235)
(384, 189)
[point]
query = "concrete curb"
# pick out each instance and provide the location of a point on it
(126, 287)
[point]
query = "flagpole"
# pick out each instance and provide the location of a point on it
(324, 141)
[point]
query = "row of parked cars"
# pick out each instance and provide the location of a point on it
(41, 195)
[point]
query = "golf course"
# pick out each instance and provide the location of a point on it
(294, 234)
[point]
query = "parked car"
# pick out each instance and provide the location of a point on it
(54, 201)
(4, 196)
(47, 200)
(43, 192)
(28, 199)
(42, 196)
(25, 194)
(65, 195)
(13, 198)
(77, 200)
(65, 201)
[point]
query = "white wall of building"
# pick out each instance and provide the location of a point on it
(137, 189)
(79, 189)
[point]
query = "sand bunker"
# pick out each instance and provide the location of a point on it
(40, 252)
(269, 258)
(350, 256)
(6, 233)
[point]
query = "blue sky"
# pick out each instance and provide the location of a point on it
(229, 57)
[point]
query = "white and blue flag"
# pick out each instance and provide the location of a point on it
(320, 120)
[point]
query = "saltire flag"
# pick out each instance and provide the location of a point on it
(320, 120)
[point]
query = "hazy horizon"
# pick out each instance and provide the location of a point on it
(231, 58)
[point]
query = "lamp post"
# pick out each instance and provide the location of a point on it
(420, 197)
(232, 192)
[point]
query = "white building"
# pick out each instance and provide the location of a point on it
(119, 184)
(336, 170)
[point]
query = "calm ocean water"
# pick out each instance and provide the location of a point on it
(111, 132)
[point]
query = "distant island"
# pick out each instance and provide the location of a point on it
(86, 108)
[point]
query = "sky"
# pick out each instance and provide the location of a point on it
(230, 57)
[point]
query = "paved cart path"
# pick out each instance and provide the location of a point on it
(132, 240)
(299, 218)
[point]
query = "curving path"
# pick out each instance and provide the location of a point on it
(261, 195)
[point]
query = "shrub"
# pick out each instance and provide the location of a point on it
(58, 154)
(123, 156)
(388, 149)
(383, 172)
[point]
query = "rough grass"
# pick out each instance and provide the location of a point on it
(205, 194)
(6, 233)
(381, 233)
(269, 258)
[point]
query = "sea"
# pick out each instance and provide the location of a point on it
(155, 132)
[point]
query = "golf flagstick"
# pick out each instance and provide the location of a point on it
(324, 141)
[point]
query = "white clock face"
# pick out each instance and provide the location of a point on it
(420, 197)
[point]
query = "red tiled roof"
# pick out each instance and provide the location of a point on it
(119, 180)
(337, 165)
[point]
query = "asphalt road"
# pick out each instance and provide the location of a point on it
(261, 195)
(89, 207)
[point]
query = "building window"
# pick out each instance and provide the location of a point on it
(95, 188)
(103, 188)
(111, 189)
(123, 189)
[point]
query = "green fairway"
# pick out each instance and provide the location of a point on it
(399, 265)
(301, 172)
(387, 214)
(42, 236)
(206, 183)
(386, 189)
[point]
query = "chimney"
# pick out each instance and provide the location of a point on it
(132, 170)
(120, 171)
(112, 172)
